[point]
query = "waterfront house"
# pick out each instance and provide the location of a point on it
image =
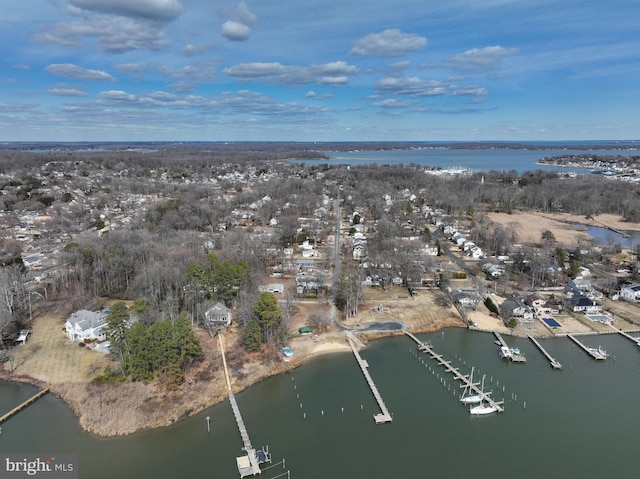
(582, 304)
(630, 291)
(513, 307)
(87, 325)
(216, 318)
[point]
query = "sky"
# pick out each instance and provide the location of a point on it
(319, 70)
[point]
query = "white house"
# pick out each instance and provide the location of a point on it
(85, 324)
(271, 288)
(630, 291)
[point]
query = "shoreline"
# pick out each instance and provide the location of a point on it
(332, 346)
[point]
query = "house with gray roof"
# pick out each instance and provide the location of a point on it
(216, 318)
(85, 324)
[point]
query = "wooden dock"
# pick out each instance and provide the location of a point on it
(23, 405)
(384, 416)
(595, 353)
(554, 363)
(628, 336)
(457, 375)
(513, 355)
(248, 465)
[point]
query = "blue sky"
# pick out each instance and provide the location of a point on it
(319, 70)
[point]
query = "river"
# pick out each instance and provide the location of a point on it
(579, 422)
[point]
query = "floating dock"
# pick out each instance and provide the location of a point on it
(554, 363)
(596, 353)
(510, 353)
(248, 465)
(466, 380)
(23, 405)
(384, 416)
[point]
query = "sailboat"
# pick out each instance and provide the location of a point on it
(484, 407)
(473, 398)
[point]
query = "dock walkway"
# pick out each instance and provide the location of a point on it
(554, 363)
(457, 375)
(628, 336)
(26, 403)
(595, 353)
(384, 416)
(248, 465)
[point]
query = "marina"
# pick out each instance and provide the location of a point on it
(487, 404)
(507, 352)
(384, 415)
(598, 353)
(555, 364)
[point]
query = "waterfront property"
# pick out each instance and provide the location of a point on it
(216, 318)
(87, 325)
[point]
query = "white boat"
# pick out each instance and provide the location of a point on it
(505, 352)
(482, 409)
(473, 398)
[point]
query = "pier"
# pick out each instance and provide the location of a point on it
(596, 353)
(554, 363)
(510, 353)
(23, 405)
(248, 465)
(466, 380)
(628, 336)
(384, 416)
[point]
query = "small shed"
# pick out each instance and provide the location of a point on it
(305, 330)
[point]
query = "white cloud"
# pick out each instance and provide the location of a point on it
(394, 103)
(389, 43)
(114, 34)
(235, 31)
(333, 73)
(156, 10)
(479, 59)
(62, 89)
(416, 87)
(242, 14)
(118, 96)
(70, 70)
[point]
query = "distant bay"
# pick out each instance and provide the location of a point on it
(476, 159)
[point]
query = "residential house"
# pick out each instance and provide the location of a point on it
(216, 318)
(276, 288)
(87, 325)
(582, 304)
(630, 291)
(513, 307)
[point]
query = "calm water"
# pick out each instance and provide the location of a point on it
(477, 160)
(580, 422)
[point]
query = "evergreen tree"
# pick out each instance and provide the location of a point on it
(269, 313)
(252, 336)
(116, 330)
